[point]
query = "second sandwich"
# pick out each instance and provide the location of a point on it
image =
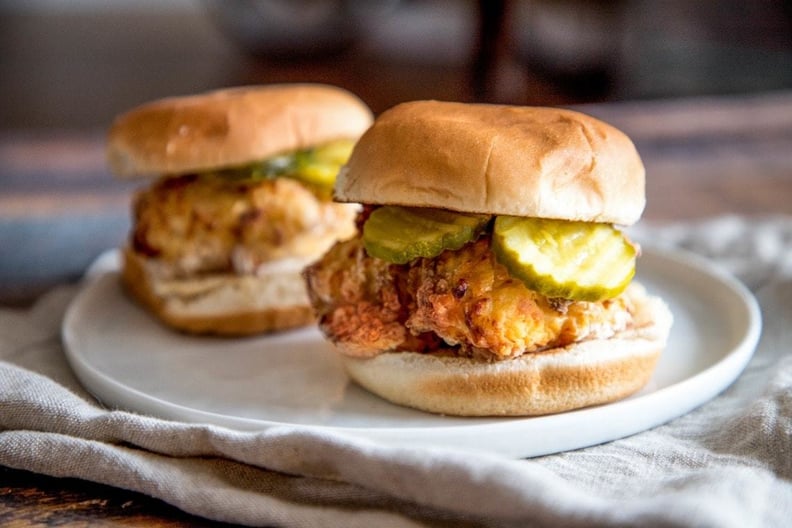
(240, 202)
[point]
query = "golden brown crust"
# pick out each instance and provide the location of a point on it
(462, 298)
(198, 224)
(522, 161)
(231, 127)
(579, 375)
(225, 320)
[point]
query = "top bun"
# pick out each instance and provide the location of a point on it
(231, 127)
(495, 159)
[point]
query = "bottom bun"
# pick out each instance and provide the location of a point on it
(579, 375)
(223, 304)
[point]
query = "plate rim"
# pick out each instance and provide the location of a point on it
(732, 361)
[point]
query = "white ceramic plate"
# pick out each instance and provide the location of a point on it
(127, 360)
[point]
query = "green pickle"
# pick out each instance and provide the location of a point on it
(582, 261)
(318, 166)
(401, 234)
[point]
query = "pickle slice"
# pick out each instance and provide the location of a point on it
(401, 234)
(320, 165)
(581, 261)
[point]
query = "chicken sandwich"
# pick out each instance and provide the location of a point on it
(490, 274)
(240, 202)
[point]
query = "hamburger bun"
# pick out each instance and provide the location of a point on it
(231, 127)
(504, 160)
(222, 304)
(551, 381)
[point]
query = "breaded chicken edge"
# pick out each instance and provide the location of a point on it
(579, 375)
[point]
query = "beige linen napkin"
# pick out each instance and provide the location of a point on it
(728, 463)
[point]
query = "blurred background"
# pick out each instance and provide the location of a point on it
(76, 63)
(67, 67)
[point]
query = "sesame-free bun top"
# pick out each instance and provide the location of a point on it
(497, 159)
(231, 127)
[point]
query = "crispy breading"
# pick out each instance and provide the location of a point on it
(461, 300)
(359, 301)
(206, 223)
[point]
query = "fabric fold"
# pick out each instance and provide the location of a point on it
(727, 463)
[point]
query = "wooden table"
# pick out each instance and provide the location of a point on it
(59, 208)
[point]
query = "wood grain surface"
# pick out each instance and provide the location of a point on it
(31, 500)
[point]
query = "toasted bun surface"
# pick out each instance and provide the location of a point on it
(507, 160)
(580, 375)
(228, 304)
(231, 127)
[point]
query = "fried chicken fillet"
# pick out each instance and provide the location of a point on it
(201, 224)
(462, 302)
